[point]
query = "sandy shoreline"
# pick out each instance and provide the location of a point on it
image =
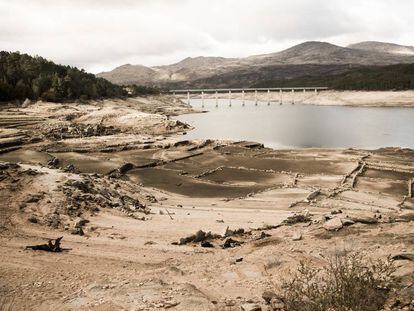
(123, 189)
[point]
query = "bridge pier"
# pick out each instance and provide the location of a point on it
(268, 97)
(202, 99)
(269, 90)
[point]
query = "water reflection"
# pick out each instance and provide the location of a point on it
(287, 125)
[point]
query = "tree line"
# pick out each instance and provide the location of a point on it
(375, 78)
(23, 76)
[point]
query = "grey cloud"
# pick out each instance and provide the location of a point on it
(101, 34)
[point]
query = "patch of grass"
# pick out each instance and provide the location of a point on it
(347, 283)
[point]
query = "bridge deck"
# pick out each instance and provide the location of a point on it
(318, 88)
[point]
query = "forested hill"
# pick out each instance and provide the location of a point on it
(23, 76)
(393, 77)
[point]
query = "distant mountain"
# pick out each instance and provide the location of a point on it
(383, 47)
(130, 74)
(319, 58)
(326, 53)
(391, 77)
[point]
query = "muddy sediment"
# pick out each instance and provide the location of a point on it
(121, 184)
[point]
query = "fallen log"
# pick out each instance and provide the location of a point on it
(52, 246)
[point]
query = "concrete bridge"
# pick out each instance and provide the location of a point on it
(231, 93)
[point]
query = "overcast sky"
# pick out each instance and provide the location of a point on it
(99, 35)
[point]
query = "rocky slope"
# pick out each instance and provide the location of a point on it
(383, 47)
(308, 58)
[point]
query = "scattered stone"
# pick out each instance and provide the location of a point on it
(407, 217)
(81, 223)
(263, 235)
(51, 246)
(365, 220)
(34, 198)
(27, 102)
(268, 296)
(77, 231)
(151, 198)
(228, 232)
(297, 236)
(251, 307)
(312, 195)
(53, 163)
(32, 219)
(239, 259)
(347, 222)
(206, 244)
(230, 243)
(297, 218)
(69, 168)
(200, 236)
(53, 220)
(405, 256)
(333, 224)
(125, 168)
(58, 131)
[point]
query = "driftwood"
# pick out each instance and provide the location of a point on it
(51, 246)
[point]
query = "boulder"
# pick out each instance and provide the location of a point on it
(365, 220)
(347, 222)
(297, 236)
(27, 102)
(251, 307)
(268, 296)
(230, 243)
(333, 224)
(125, 168)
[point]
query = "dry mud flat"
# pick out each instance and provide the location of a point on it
(130, 205)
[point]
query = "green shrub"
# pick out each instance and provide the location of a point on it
(347, 283)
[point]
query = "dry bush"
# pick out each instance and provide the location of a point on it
(6, 303)
(347, 283)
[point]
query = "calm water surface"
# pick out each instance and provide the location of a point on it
(284, 126)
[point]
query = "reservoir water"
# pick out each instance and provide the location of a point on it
(287, 125)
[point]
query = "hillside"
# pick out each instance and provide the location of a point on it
(319, 58)
(23, 76)
(384, 47)
(393, 77)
